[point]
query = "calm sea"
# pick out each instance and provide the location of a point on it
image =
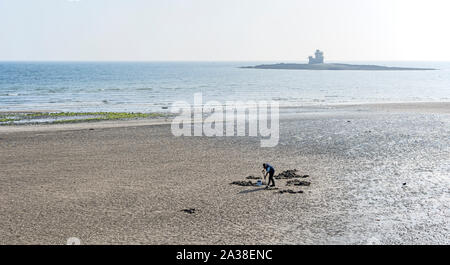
(152, 86)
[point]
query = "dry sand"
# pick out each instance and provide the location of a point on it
(129, 182)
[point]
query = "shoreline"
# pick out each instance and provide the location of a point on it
(404, 107)
(333, 67)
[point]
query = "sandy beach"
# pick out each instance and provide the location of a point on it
(379, 174)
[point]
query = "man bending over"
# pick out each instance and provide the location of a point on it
(269, 170)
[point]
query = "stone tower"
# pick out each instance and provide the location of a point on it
(318, 58)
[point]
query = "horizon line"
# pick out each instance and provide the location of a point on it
(206, 61)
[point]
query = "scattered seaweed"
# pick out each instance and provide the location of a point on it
(189, 210)
(297, 182)
(293, 179)
(243, 183)
(7, 120)
(289, 191)
(289, 174)
(71, 117)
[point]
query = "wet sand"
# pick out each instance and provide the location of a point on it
(379, 174)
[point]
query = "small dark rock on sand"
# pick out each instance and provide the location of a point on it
(243, 183)
(189, 211)
(297, 182)
(289, 174)
(289, 191)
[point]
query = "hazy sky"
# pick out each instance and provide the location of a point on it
(208, 30)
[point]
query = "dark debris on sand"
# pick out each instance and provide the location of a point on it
(189, 211)
(289, 174)
(289, 191)
(297, 182)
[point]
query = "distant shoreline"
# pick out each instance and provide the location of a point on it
(334, 67)
(286, 112)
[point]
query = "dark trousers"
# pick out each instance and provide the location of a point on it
(271, 177)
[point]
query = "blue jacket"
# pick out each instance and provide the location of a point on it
(269, 168)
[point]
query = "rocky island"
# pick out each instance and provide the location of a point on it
(317, 63)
